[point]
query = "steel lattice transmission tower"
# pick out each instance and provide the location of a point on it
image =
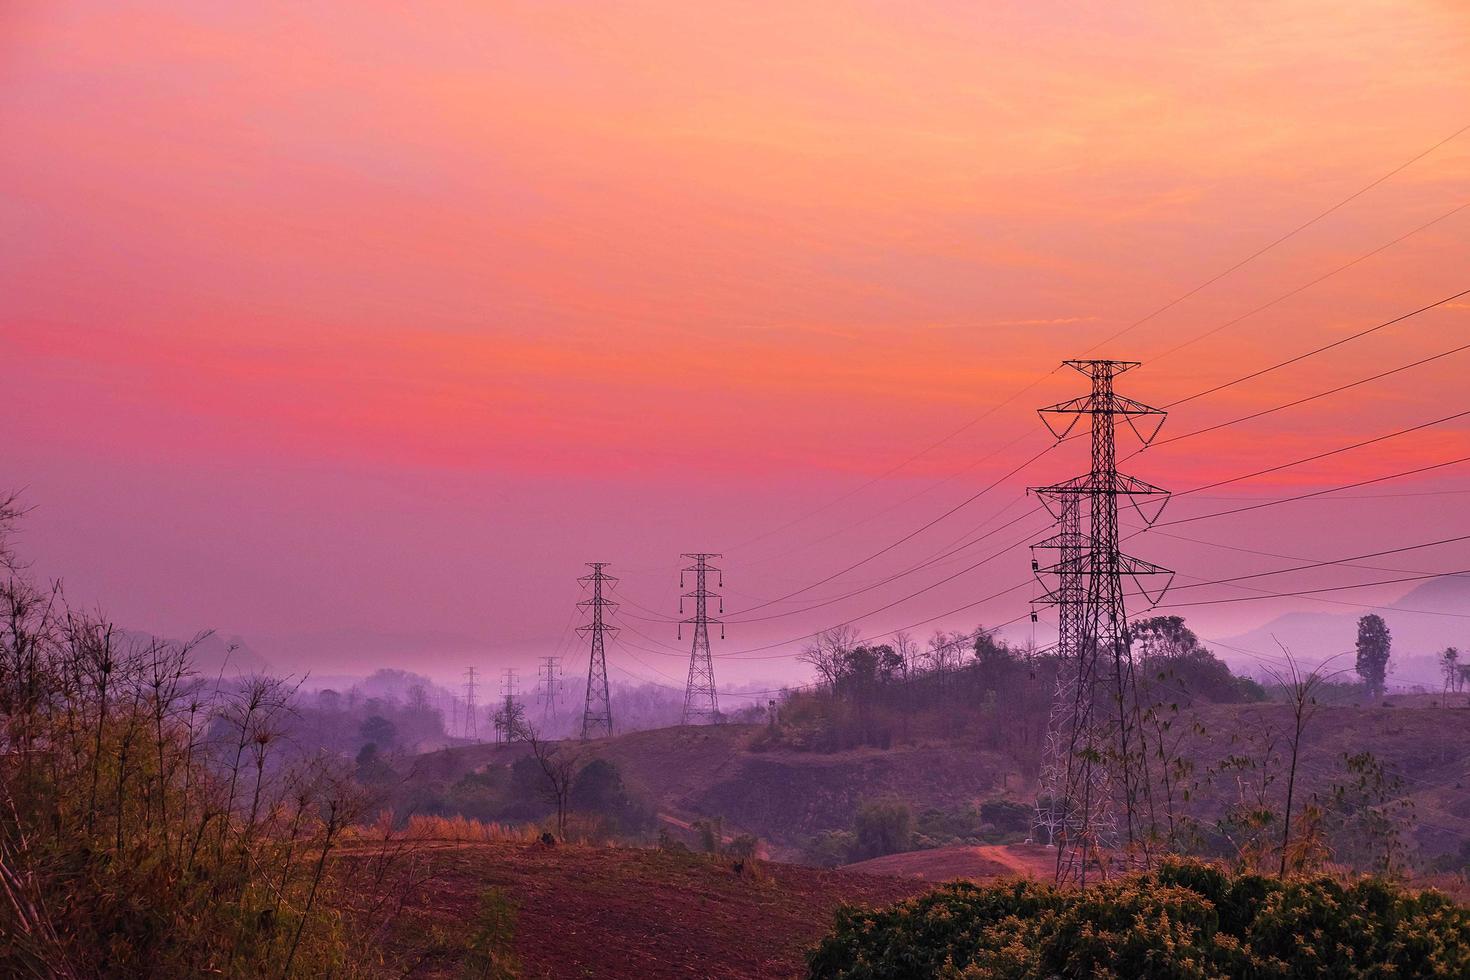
(1098, 765)
(701, 702)
(548, 685)
(471, 727)
(597, 714)
(1062, 579)
(512, 714)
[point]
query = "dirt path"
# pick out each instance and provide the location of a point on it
(977, 863)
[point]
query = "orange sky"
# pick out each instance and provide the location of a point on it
(388, 316)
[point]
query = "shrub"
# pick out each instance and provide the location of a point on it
(598, 789)
(883, 827)
(831, 848)
(490, 954)
(1186, 919)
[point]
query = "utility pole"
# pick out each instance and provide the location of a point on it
(471, 726)
(701, 703)
(1105, 757)
(597, 713)
(548, 683)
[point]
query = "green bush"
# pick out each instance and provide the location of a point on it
(883, 827)
(830, 848)
(1187, 919)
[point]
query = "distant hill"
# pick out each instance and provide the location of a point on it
(1429, 618)
(215, 655)
(348, 651)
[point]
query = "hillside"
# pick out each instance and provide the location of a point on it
(782, 796)
(623, 912)
(785, 797)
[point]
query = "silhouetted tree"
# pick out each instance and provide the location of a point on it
(1449, 665)
(379, 731)
(1374, 644)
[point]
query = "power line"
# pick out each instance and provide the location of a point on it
(1318, 350)
(1310, 592)
(907, 537)
(1282, 239)
(1324, 455)
(1315, 493)
(1139, 322)
(1320, 394)
(1396, 609)
(1335, 602)
(1308, 285)
(1349, 563)
(895, 576)
(1332, 562)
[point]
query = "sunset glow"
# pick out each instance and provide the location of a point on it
(385, 316)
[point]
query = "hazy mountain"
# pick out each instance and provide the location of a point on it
(352, 651)
(215, 655)
(1429, 618)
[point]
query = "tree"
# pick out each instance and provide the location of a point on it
(828, 652)
(1299, 690)
(379, 731)
(559, 765)
(946, 650)
(1374, 645)
(1164, 638)
(1449, 664)
(1169, 653)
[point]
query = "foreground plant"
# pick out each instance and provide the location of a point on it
(1185, 919)
(154, 823)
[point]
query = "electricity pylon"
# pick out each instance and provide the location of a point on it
(471, 727)
(511, 716)
(1062, 580)
(701, 703)
(597, 714)
(1106, 760)
(548, 683)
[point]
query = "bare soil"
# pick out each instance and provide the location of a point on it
(626, 912)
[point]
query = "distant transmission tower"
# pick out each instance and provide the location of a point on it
(511, 714)
(1099, 757)
(548, 685)
(597, 715)
(471, 726)
(701, 703)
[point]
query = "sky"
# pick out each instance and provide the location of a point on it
(353, 327)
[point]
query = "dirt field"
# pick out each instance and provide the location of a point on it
(975, 863)
(622, 912)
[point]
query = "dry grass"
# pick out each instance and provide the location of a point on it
(424, 827)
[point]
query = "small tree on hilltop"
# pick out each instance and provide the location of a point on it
(1374, 642)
